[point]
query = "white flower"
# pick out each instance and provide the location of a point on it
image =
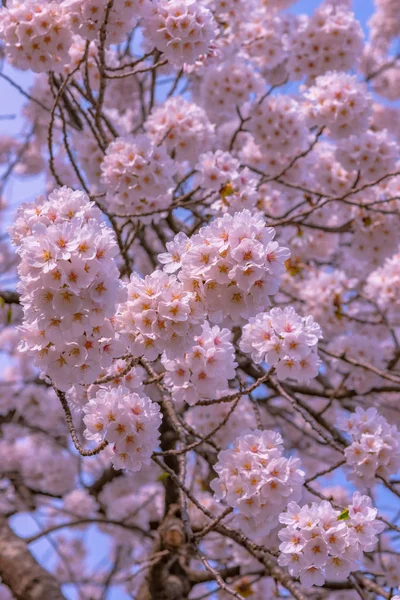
(321, 543)
(339, 101)
(181, 29)
(36, 35)
(138, 176)
(127, 420)
(256, 479)
(226, 266)
(284, 340)
(375, 447)
(69, 286)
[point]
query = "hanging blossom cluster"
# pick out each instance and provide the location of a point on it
(228, 85)
(265, 37)
(331, 39)
(159, 316)
(233, 265)
(183, 126)
(279, 128)
(69, 285)
(205, 370)
(256, 479)
(36, 34)
(373, 154)
(383, 287)
(127, 420)
(340, 102)
(137, 175)
(320, 543)
(284, 340)
(87, 18)
(375, 446)
(231, 188)
(358, 348)
(182, 30)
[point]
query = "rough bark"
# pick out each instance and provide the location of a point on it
(20, 571)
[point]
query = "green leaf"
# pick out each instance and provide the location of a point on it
(344, 515)
(164, 475)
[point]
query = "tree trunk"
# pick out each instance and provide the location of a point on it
(20, 571)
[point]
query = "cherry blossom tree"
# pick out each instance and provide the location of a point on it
(200, 313)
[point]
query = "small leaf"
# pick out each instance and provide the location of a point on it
(164, 475)
(344, 515)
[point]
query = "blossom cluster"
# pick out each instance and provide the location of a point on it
(375, 446)
(127, 420)
(285, 340)
(228, 85)
(137, 175)
(205, 369)
(357, 347)
(231, 187)
(279, 127)
(69, 285)
(36, 34)
(383, 287)
(233, 265)
(264, 37)
(183, 126)
(331, 39)
(160, 315)
(182, 30)
(373, 154)
(255, 478)
(340, 102)
(88, 16)
(320, 543)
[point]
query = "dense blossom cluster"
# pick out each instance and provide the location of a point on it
(228, 85)
(182, 30)
(233, 266)
(36, 34)
(284, 340)
(88, 16)
(278, 127)
(205, 370)
(375, 446)
(231, 188)
(373, 154)
(69, 287)
(159, 316)
(183, 126)
(383, 286)
(331, 39)
(320, 543)
(357, 347)
(265, 38)
(340, 102)
(255, 478)
(127, 420)
(137, 175)
(324, 294)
